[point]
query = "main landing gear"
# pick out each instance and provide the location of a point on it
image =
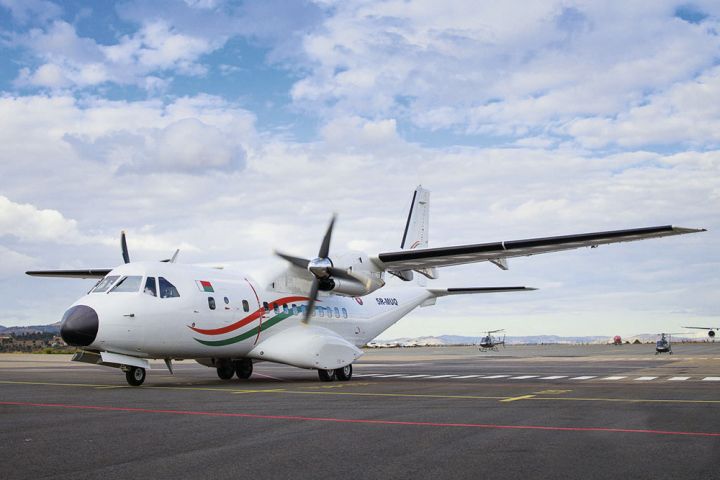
(243, 368)
(342, 374)
(135, 376)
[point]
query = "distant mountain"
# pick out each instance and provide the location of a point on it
(52, 328)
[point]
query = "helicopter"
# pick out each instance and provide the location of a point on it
(488, 342)
(664, 344)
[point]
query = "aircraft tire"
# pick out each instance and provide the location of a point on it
(243, 368)
(326, 375)
(226, 371)
(344, 374)
(135, 376)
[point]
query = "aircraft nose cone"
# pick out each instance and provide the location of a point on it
(79, 326)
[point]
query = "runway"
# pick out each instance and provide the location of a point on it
(452, 412)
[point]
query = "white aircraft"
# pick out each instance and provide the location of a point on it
(710, 331)
(314, 316)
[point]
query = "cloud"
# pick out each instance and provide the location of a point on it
(28, 223)
(69, 60)
(25, 11)
(505, 70)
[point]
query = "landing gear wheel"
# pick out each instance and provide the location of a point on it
(243, 368)
(226, 371)
(344, 374)
(135, 376)
(326, 375)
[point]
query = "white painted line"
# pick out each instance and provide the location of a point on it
(677, 379)
(497, 376)
(388, 376)
(441, 376)
(415, 376)
(468, 376)
(644, 379)
(367, 375)
(523, 377)
(613, 378)
(584, 377)
(553, 377)
(711, 379)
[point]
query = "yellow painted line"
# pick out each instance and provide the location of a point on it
(272, 390)
(371, 394)
(515, 399)
(400, 395)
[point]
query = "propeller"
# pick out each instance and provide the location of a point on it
(123, 245)
(321, 268)
(126, 254)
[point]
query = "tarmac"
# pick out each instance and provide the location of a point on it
(575, 412)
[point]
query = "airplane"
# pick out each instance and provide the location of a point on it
(710, 333)
(315, 315)
(488, 342)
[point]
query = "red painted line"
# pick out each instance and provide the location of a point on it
(358, 421)
(241, 323)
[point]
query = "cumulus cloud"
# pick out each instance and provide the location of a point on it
(69, 60)
(510, 69)
(27, 222)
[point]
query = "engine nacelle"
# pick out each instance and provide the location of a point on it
(351, 288)
(711, 334)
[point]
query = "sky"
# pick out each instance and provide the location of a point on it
(228, 129)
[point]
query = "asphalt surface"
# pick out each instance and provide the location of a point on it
(605, 412)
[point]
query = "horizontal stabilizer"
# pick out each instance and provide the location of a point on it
(441, 292)
(91, 273)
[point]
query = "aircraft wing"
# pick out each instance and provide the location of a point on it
(704, 328)
(90, 273)
(498, 251)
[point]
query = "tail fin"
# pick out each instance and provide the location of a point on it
(417, 226)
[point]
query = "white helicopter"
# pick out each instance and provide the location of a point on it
(315, 315)
(490, 342)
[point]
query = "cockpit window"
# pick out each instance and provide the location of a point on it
(167, 289)
(130, 283)
(150, 286)
(105, 283)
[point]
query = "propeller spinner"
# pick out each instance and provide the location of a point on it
(322, 270)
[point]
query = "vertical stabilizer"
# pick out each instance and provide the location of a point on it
(417, 228)
(417, 225)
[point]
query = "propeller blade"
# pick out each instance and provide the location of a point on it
(344, 274)
(313, 297)
(325, 246)
(297, 261)
(123, 245)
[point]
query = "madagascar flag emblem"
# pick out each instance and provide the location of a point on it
(204, 286)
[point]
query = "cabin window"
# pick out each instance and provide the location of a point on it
(337, 312)
(167, 289)
(246, 306)
(226, 300)
(105, 283)
(276, 308)
(127, 284)
(211, 303)
(295, 310)
(150, 286)
(302, 309)
(344, 312)
(266, 306)
(285, 309)
(321, 311)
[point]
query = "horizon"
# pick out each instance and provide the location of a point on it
(229, 129)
